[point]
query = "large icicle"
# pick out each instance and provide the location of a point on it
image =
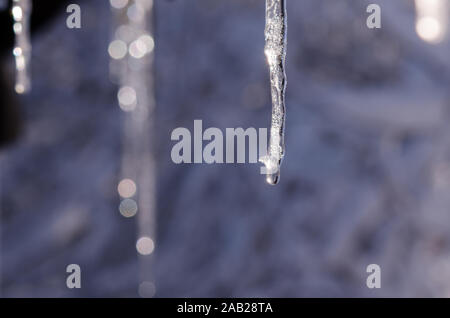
(275, 50)
(21, 11)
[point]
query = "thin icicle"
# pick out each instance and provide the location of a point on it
(275, 50)
(21, 11)
(132, 67)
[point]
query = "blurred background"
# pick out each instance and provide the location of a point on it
(365, 179)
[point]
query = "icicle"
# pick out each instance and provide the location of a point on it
(132, 55)
(21, 11)
(275, 50)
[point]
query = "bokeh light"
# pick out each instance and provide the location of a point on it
(117, 49)
(432, 20)
(118, 4)
(127, 188)
(145, 245)
(128, 208)
(127, 98)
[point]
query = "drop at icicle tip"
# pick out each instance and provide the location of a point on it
(275, 51)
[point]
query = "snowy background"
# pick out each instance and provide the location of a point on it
(366, 177)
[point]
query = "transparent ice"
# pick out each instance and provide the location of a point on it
(132, 68)
(21, 11)
(275, 50)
